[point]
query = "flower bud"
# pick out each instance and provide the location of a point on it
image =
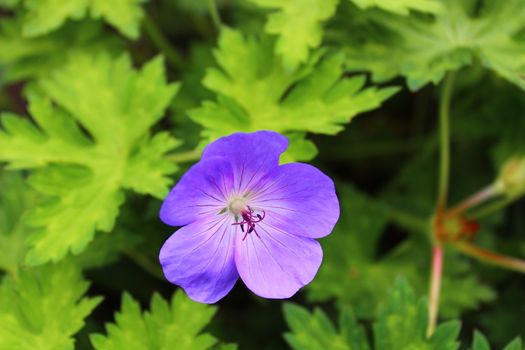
(511, 180)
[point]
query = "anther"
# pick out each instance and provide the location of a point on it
(250, 219)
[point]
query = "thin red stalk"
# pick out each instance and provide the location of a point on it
(490, 256)
(435, 288)
(477, 198)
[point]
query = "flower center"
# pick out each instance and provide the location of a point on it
(236, 206)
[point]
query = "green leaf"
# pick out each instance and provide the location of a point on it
(315, 330)
(402, 7)
(402, 320)
(401, 324)
(15, 198)
(43, 308)
(516, 344)
(348, 271)
(44, 16)
(83, 176)
(177, 324)
(423, 49)
(354, 274)
(9, 3)
(22, 58)
(298, 23)
(255, 92)
(227, 347)
(300, 148)
(481, 343)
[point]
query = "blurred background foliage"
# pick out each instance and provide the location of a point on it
(106, 103)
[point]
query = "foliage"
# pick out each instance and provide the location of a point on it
(43, 308)
(299, 26)
(178, 322)
(105, 104)
(352, 251)
(402, 7)
(400, 324)
(44, 16)
(22, 58)
(255, 92)
(13, 203)
(83, 176)
(423, 50)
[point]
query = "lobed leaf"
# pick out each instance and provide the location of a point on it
(402, 7)
(44, 16)
(177, 324)
(423, 50)
(42, 308)
(298, 23)
(15, 198)
(84, 174)
(401, 324)
(256, 92)
(22, 58)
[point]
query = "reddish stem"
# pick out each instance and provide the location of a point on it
(490, 256)
(435, 287)
(473, 200)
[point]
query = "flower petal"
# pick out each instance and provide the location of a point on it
(299, 199)
(200, 193)
(200, 258)
(277, 264)
(252, 155)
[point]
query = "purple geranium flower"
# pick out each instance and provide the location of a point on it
(244, 215)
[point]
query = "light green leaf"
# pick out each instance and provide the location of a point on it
(44, 16)
(423, 49)
(480, 342)
(401, 324)
(402, 7)
(298, 23)
(300, 148)
(42, 308)
(9, 3)
(15, 198)
(255, 92)
(311, 331)
(22, 58)
(83, 176)
(516, 344)
(177, 325)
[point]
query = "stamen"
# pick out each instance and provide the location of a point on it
(250, 219)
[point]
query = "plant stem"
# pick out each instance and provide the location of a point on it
(214, 14)
(490, 257)
(477, 198)
(444, 141)
(444, 171)
(492, 207)
(145, 263)
(162, 43)
(405, 219)
(182, 157)
(435, 287)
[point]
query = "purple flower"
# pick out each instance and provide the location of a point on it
(245, 216)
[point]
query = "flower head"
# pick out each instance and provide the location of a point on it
(244, 215)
